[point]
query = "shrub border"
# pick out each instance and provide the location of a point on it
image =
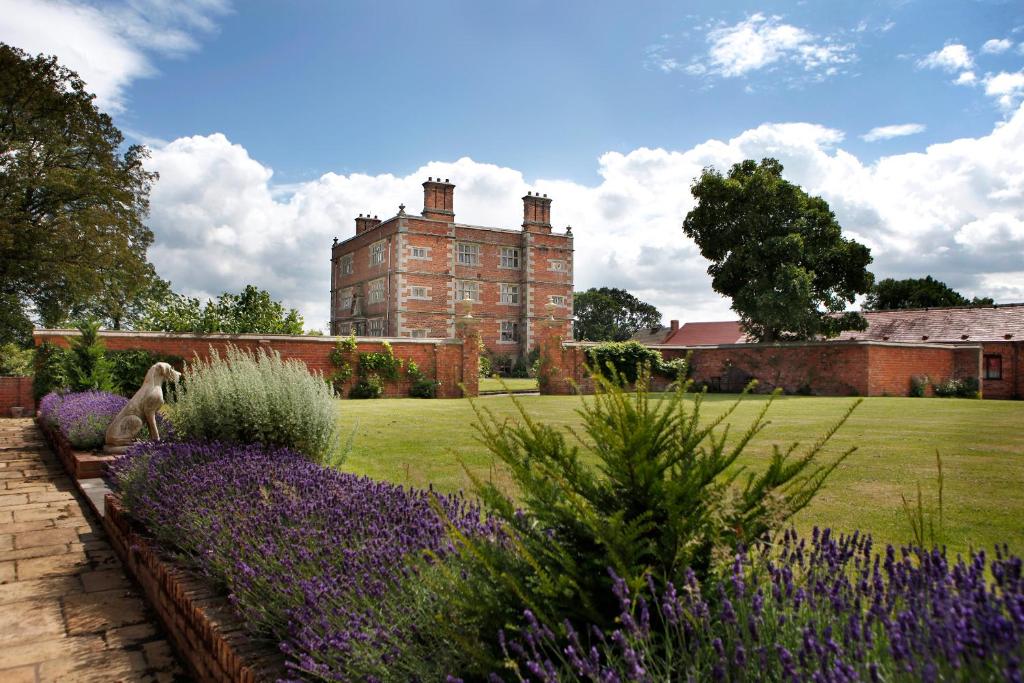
(197, 618)
(78, 464)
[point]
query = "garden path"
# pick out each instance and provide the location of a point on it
(67, 610)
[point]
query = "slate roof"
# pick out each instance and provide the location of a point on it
(960, 324)
(655, 336)
(707, 334)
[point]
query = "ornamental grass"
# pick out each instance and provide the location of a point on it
(828, 610)
(311, 557)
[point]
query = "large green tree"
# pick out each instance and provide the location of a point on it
(72, 201)
(921, 292)
(610, 314)
(778, 252)
(253, 310)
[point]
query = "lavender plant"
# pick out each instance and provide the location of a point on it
(246, 397)
(322, 563)
(84, 416)
(828, 610)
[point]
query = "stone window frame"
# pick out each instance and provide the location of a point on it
(557, 265)
(346, 295)
(514, 254)
(413, 255)
(377, 253)
(564, 300)
(463, 286)
(375, 291)
(510, 297)
(469, 250)
(425, 296)
(375, 327)
(345, 264)
(513, 331)
(996, 367)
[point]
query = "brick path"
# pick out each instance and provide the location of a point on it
(67, 610)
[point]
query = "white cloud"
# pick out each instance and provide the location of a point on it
(966, 78)
(995, 46)
(894, 131)
(761, 42)
(1006, 87)
(954, 210)
(108, 47)
(951, 58)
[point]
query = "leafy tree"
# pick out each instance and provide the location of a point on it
(15, 361)
(922, 292)
(251, 311)
(777, 252)
(71, 203)
(609, 314)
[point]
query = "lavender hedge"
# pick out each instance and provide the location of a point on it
(84, 416)
(312, 558)
(830, 610)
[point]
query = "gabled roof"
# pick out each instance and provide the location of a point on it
(655, 336)
(707, 334)
(959, 324)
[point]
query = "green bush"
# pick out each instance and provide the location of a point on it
(87, 366)
(661, 500)
(50, 370)
(424, 388)
(957, 388)
(368, 387)
(485, 365)
(918, 384)
(15, 361)
(129, 367)
(625, 357)
(257, 398)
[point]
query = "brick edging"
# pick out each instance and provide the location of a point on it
(78, 464)
(199, 621)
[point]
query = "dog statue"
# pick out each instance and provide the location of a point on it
(144, 405)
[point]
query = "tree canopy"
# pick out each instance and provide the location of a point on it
(251, 311)
(609, 314)
(72, 203)
(921, 292)
(778, 253)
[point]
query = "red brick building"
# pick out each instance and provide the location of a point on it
(402, 277)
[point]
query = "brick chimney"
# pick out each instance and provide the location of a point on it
(536, 213)
(439, 200)
(674, 326)
(365, 223)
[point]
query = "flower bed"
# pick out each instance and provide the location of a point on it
(828, 610)
(78, 464)
(307, 555)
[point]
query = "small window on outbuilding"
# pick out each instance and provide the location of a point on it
(993, 367)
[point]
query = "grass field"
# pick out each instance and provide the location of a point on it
(489, 384)
(421, 442)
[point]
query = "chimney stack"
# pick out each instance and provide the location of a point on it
(439, 200)
(365, 223)
(536, 213)
(675, 326)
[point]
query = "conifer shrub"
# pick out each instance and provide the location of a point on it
(665, 498)
(246, 397)
(50, 370)
(87, 367)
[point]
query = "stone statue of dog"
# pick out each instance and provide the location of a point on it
(144, 405)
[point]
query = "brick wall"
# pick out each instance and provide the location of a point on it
(16, 392)
(1011, 385)
(441, 359)
(819, 368)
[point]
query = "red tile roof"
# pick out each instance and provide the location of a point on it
(708, 334)
(918, 325)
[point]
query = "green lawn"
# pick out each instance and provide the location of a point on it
(421, 442)
(489, 384)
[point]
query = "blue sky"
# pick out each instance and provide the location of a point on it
(272, 124)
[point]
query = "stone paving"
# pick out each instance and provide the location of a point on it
(68, 612)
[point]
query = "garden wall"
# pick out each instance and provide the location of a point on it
(450, 361)
(16, 392)
(1011, 384)
(838, 368)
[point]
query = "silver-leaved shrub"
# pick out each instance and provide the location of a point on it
(245, 397)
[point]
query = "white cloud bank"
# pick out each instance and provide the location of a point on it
(955, 211)
(894, 131)
(108, 47)
(995, 46)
